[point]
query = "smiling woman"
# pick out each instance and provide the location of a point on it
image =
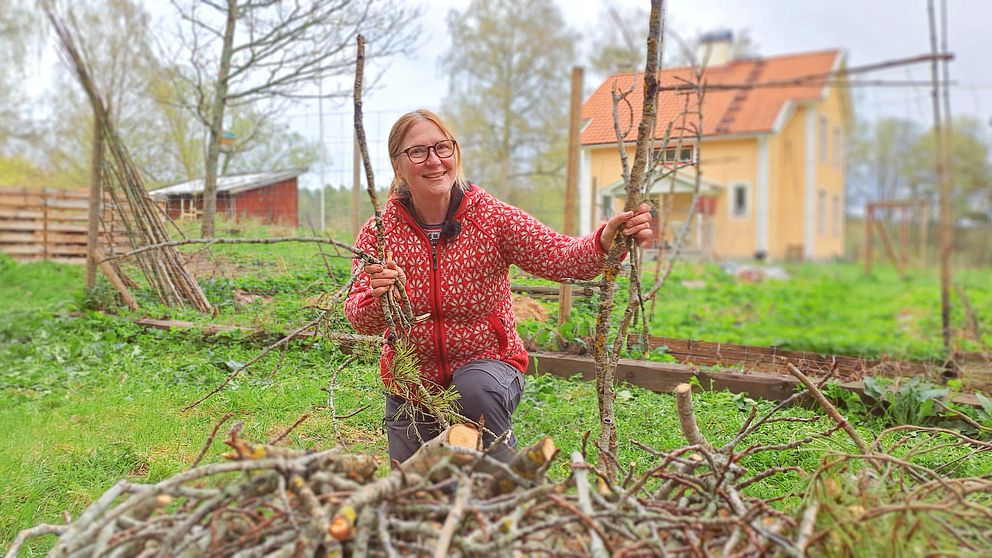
(449, 245)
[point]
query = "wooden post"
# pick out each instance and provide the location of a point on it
(115, 280)
(924, 232)
(571, 182)
(96, 197)
(904, 217)
(44, 224)
(356, 189)
(884, 234)
(869, 209)
(943, 187)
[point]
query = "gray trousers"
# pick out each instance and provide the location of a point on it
(488, 388)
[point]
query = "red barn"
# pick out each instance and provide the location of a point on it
(268, 196)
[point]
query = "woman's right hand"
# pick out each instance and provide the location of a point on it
(382, 278)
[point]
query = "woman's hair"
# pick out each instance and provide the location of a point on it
(398, 132)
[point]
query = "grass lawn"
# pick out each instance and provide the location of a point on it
(87, 398)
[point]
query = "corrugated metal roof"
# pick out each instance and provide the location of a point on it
(232, 183)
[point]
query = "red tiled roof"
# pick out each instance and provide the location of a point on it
(750, 110)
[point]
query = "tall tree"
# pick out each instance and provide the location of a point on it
(686, 50)
(508, 75)
(876, 155)
(616, 37)
(19, 36)
(114, 38)
(969, 154)
(261, 52)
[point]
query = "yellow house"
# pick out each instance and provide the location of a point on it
(771, 157)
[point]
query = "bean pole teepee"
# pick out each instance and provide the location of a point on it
(142, 220)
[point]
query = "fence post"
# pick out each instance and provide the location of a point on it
(95, 206)
(44, 224)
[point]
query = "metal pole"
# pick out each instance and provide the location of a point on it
(323, 149)
(571, 183)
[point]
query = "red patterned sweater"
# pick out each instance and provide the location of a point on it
(464, 283)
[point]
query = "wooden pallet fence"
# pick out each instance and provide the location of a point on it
(775, 360)
(49, 225)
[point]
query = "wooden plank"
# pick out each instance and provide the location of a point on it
(20, 214)
(17, 237)
(551, 291)
(72, 260)
(67, 249)
(21, 237)
(37, 225)
(69, 204)
(663, 377)
(69, 216)
(22, 249)
(345, 341)
(774, 359)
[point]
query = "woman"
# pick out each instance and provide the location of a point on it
(451, 246)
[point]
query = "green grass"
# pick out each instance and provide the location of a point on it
(833, 309)
(87, 398)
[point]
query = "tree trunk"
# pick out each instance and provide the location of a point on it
(217, 125)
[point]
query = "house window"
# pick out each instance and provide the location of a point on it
(838, 147)
(837, 215)
(682, 154)
(606, 207)
(740, 205)
(823, 139)
(821, 212)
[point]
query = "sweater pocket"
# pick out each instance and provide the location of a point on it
(499, 330)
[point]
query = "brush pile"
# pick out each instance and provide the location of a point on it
(454, 499)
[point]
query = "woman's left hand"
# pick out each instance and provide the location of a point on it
(634, 224)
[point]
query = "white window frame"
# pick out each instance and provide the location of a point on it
(821, 211)
(669, 153)
(838, 147)
(732, 202)
(824, 127)
(837, 214)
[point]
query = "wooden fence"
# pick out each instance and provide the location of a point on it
(48, 224)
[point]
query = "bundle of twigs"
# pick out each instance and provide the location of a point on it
(454, 499)
(141, 219)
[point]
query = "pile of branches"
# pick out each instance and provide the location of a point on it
(452, 498)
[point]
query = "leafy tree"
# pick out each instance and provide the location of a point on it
(19, 36)
(508, 71)
(240, 53)
(685, 51)
(262, 144)
(877, 153)
(114, 38)
(616, 40)
(972, 171)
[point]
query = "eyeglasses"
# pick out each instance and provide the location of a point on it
(420, 153)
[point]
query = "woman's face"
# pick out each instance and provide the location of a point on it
(433, 177)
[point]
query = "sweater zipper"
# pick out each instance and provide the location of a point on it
(440, 353)
(439, 332)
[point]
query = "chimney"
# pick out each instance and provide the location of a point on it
(715, 48)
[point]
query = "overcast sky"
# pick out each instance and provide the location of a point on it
(868, 30)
